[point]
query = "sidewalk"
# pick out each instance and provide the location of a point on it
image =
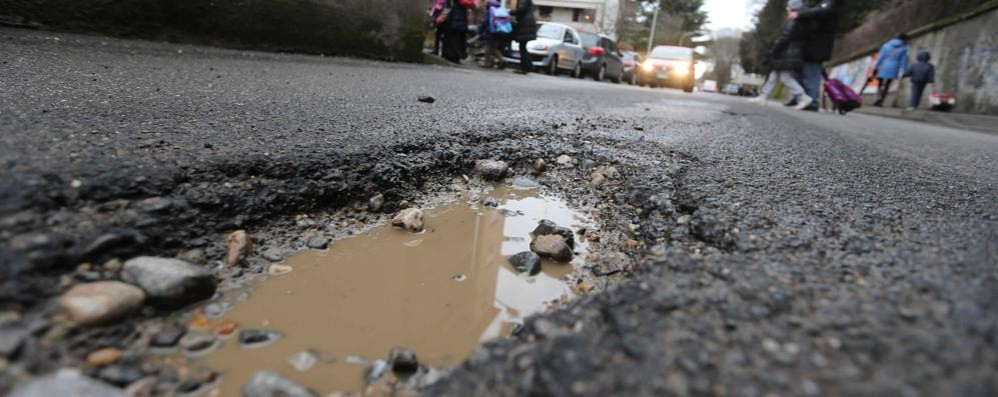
(974, 122)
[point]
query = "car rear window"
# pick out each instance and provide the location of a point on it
(589, 40)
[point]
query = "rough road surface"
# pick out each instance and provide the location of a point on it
(781, 253)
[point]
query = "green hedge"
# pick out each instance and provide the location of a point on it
(385, 29)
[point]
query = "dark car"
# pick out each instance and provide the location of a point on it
(669, 66)
(632, 61)
(601, 59)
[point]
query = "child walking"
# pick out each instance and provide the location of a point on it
(785, 59)
(922, 74)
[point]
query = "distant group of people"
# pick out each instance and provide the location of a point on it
(805, 43)
(502, 21)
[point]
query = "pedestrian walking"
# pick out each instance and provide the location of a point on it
(820, 21)
(892, 63)
(524, 32)
(922, 74)
(495, 29)
(455, 28)
(785, 59)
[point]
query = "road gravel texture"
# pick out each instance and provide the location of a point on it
(781, 253)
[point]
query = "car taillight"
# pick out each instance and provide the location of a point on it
(596, 51)
(629, 64)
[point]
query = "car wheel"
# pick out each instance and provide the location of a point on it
(600, 74)
(688, 89)
(553, 68)
(577, 71)
(617, 78)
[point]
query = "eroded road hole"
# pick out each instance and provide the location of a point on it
(439, 294)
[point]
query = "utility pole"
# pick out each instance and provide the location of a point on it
(654, 20)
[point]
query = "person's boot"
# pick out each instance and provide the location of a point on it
(793, 102)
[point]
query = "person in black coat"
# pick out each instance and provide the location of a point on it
(455, 29)
(524, 32)
(785, 59)
(820, 23)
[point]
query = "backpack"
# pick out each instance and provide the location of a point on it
(501, 20)
(438, 13)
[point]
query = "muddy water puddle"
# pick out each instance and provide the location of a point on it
(439, 293)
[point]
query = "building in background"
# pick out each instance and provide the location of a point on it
(595, 16)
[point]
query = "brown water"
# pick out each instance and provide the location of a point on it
(439, 293)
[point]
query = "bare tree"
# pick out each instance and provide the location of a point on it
(723, 49)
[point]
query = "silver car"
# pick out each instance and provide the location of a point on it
(557, 48)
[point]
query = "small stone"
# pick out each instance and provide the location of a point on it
(587, 164)
(11, 339)
(272, 384)
(318, 243)
(273, 254)
(610, 172)
(120, 374)
(563, 159)
(552, 246)
(539, 166)
(225, 328)
(154, 204)
(101, 302)
(303, 361)
(195, 256)
(522, 182)
(213, 310)
(240, 245)
(404, 204)
(490, 202)
(169, 283)
(631, 244)
(113, 265)
(526, 262)
(104, 357)
(255, 338)
(376, 370)
(491, 170)
(278, 270)
(403, 361)
(67, 383)
(597, 179)
(459, 277)
(376, 202)
(197, 343)
(546, 227)
(427, 99)
(410, 219)
(168, 337)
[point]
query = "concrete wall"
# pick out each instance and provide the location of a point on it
(966, 57)
(385, 29)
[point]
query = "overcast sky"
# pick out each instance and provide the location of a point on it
(727, 14)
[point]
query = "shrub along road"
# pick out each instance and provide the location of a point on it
(782, 253)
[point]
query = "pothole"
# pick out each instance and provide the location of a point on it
(439, 293)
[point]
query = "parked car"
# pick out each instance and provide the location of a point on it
(601, 60)
(730, 89)
(709, 86)
(557, 48)
(669, 66)
(632, 61)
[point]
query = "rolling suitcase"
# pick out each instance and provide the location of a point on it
(844, 99)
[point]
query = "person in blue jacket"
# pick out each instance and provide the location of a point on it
(892, 64)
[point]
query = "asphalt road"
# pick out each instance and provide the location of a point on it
(791, 253)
